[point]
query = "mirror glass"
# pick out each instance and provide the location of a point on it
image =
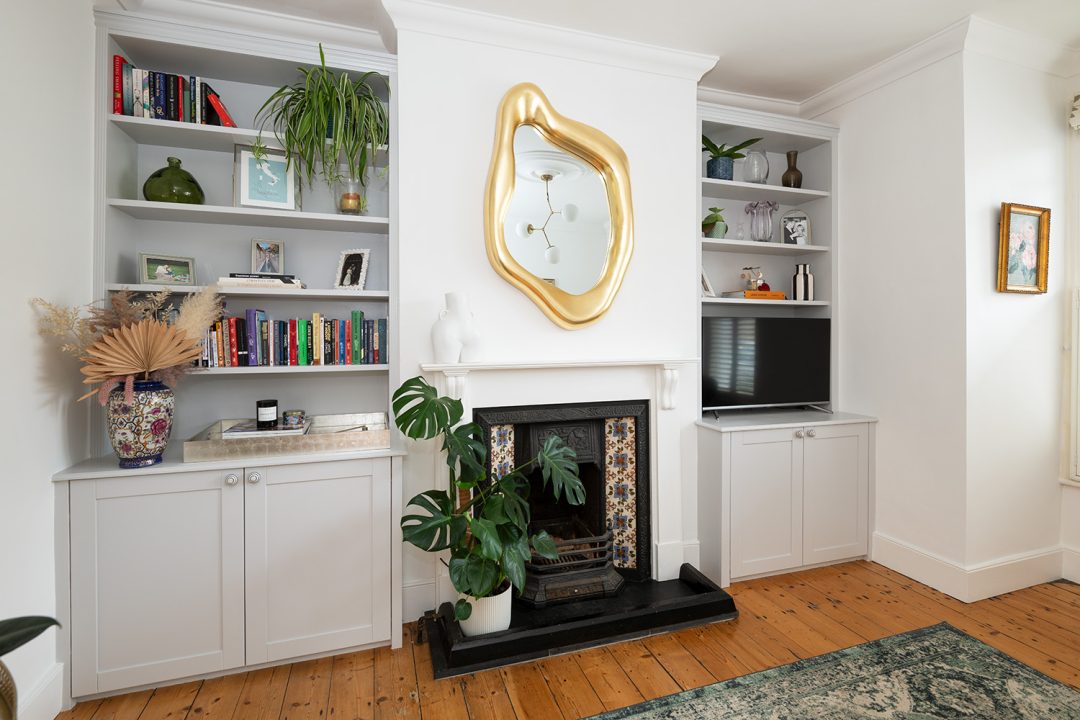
(558, 224)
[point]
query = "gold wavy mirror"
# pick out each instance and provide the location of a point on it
(558, 218)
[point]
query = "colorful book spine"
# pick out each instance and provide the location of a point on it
(294, 358)
(233, 349)
(310, 342)
(118, 63)
(220, 330)
(148, 111)
(189, 107)
(136, 92)
(264, 348)
(182, 99)
(219, 109)
(251, 326)
(384, 351)
(157, 89)
(301, 342)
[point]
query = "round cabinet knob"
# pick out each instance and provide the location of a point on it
(231, 479)
(811, 432)
(254, 477)
(798, 433)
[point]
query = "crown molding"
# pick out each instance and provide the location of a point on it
(765, 120)
(423, 16)
(1020, 48)
(716, 96)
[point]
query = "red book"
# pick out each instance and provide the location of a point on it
(348, 334)
(292, 342)
(118, 63)
(234, 360)
(219, 108)
(180, 109)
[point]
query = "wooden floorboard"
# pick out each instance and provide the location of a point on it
(783, 619)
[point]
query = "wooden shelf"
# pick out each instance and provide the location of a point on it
(169, 133)
(256, 217)
(764, 303)
(290, 369)
(758, 248)
(738, 190)
(305, 294)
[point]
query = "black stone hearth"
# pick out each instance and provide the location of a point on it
(642, 608)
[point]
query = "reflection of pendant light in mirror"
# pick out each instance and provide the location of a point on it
(569, 213)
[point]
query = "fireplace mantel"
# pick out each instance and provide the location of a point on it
(667, 370)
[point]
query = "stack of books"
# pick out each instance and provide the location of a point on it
(755, 294)
(260, 280)
(164, 96)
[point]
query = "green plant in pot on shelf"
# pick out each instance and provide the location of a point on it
(330, 125)
(721, 165)
(713, 225)
(482, 520)
(14, 633)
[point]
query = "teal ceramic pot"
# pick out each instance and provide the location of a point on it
(720, 168)
(173, 184)
(717, 231)
(139, 430)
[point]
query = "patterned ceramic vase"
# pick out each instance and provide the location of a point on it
(139, 431)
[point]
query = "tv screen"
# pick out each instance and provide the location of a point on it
(761, 362)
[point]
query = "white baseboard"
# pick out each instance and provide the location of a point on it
(669, 557)
(1070, 564)
(416, 599)
(45, 700)
(972, 582)
(692, 553)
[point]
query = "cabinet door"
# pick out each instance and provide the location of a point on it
(318, 557)
(766, 501)
(157, 578)
(836, 474)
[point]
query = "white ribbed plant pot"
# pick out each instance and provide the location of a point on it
(489, 614)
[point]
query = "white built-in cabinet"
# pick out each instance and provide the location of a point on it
(180, 574)
(791, 489)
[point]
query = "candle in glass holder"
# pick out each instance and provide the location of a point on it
(350, 201)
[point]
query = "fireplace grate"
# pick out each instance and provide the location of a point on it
(578, 549)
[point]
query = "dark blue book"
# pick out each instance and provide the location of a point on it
(340, 341)
(171, 98)
(251, 323)
(383, 356)
(157, 94)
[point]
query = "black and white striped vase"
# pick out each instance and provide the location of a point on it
(802, 283)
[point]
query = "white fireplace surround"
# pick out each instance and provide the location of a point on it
(668, 384)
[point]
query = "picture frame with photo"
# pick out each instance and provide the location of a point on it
(161, 269)
(706, 286)
(1023, 248)
(263, 180)
(352, 269)
(268, 256)
(795, 228)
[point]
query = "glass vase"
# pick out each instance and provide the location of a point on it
(755, 167)
(350, 197)
(761, 224)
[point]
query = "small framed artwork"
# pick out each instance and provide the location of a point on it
(706, 286)
(795, 227)
(263, 181)
(268, 256)
(352, 270)
(1023, 248)
(157, 269)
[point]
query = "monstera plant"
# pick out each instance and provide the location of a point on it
(14, 633)
(483, 519)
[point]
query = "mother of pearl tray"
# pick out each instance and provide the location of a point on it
(327, 434)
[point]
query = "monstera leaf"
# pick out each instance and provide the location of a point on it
(440, 528)
(463, 446)
(419, 411)
(557, 466)
(16, 632)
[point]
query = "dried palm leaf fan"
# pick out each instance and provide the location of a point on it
(138, 349)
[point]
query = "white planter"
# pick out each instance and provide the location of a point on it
(489, 614)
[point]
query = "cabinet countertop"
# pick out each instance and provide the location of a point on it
(774, 419)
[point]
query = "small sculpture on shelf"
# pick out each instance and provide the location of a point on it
(754, 278)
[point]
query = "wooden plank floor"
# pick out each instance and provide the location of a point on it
(782, 619)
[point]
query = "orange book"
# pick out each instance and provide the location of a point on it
(764, 295)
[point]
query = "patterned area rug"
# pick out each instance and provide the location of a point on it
(936, 672)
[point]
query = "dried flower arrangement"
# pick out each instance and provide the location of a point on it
(126, 338)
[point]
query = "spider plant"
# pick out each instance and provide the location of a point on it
(327, 122)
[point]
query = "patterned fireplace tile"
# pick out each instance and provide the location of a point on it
(620, 475)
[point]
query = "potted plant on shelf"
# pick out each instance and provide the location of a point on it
(482, 520)
(713, 224)
(133, 358)
(722, 158)
(330, 125)
(14, 633)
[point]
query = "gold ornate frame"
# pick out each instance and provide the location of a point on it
(1042, 257)
(526, 104)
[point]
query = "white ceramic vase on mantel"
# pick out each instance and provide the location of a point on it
(454, 336)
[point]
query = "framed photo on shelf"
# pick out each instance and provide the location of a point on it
(352, 270)
(158, 269)
(268, 256)
(795, 228)
(706, 286)
(264, 181)
(1023, 248)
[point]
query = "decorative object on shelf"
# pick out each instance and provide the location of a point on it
(792, 177)
(352, 269)
(267, 257)
(754, 278)
(706, 286)
(293, 418)
(761, 224)
(350, 196)
(740, 230)
(722, 158)
(482, 520)
(174, 184)
(454, 330)
(605, 166)
(802, 283)
(266, 415)
(795, 227)
(323, 434)
(1023, 248)
(158, 269)
(133, 358)
(713, 225)
(263, 179)
(756, 167)
(327, 119)
(14, 633)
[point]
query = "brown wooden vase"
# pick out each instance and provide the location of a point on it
(792, 177)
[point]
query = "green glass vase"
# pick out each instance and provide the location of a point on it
(173, 184)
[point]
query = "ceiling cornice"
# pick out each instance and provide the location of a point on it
(1020, 48)
(423, 16)
(714, 96)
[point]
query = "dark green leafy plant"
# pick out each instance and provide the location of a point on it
(722, 150)
(487, 530)
(16, 632)
(325, 120)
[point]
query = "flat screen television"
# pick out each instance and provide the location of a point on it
(764, 362)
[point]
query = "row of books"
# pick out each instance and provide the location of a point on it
(163, 96)
(258, 340)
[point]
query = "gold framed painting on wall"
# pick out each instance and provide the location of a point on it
(1023, 248)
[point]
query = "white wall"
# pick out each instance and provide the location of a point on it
(46, 197)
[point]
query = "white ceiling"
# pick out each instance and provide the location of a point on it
(784, 49)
